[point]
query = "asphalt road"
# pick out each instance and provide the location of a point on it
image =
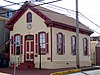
(92, 72)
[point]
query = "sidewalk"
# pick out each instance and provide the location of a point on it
(9, 71)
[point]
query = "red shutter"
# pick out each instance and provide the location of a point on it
(71, 44)
(12, 51)
(63, 44)
(83, 47)
(21, 49)
(14, 45)
(36, 43)
(87, 51)
(21, 39)
(57, 44)
(47, 47)
(75, 45)
(12, 40)
(32, 46)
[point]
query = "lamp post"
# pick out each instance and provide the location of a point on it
(40, 57)
(16, 44)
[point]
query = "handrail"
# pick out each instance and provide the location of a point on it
(3, 45)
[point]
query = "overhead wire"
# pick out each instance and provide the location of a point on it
(43, 3)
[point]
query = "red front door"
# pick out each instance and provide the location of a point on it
(29, 48)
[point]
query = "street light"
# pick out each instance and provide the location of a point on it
(40, 57)
(16, 45)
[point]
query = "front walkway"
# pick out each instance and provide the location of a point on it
(9, 71)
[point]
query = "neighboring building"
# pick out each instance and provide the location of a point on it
(4, 33)
(42, 33)
(5, 15)
(6, 12)
(95, 50)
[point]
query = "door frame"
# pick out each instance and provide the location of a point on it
(30, 40)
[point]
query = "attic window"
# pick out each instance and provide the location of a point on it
(29, 17)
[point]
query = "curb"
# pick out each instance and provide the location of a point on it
(75, 70)
(66, 72)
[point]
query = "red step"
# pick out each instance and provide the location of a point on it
(26, 65)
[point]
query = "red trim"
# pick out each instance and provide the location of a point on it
(27, 46)
(24, 49)
(12, 41)
(32, 46)
(21, 39)
(18, 14)
(57, 44)
(21, 49)
(42, 43)
(64, 44)
(47, 20)
(21, 11)
(47, 51)
(73, 51)
(12, 51)
(51, 40)
(36, 42)
(29, 17)
(14, 44)
(70, 28)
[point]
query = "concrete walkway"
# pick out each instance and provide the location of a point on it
(9, 71)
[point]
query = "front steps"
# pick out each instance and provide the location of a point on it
(26, 65)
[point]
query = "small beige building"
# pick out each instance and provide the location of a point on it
(41, 35)
(95, 50)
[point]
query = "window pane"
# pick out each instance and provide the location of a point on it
(17, 50)
(43, 42)
(29, 17)
(73, 46)
(17, 39)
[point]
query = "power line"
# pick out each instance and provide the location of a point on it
(75, 11)
(90, 20)
(13, 2)
(55, 12)
(10, 5)
(33, 6)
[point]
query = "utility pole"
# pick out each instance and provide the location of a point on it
(77, 37)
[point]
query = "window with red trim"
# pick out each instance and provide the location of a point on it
(85, 46)
(29, 17)
(60, 44)
(73, 45)
(42, 42)
(17, 40)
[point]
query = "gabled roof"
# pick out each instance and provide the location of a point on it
(49, 16)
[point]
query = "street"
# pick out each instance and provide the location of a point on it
(92, 72)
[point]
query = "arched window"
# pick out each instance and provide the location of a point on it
(17, 42)
(29, 17)
(85, 46)
(60, 43)
(73, 45)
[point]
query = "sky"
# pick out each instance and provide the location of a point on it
(88, 8)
